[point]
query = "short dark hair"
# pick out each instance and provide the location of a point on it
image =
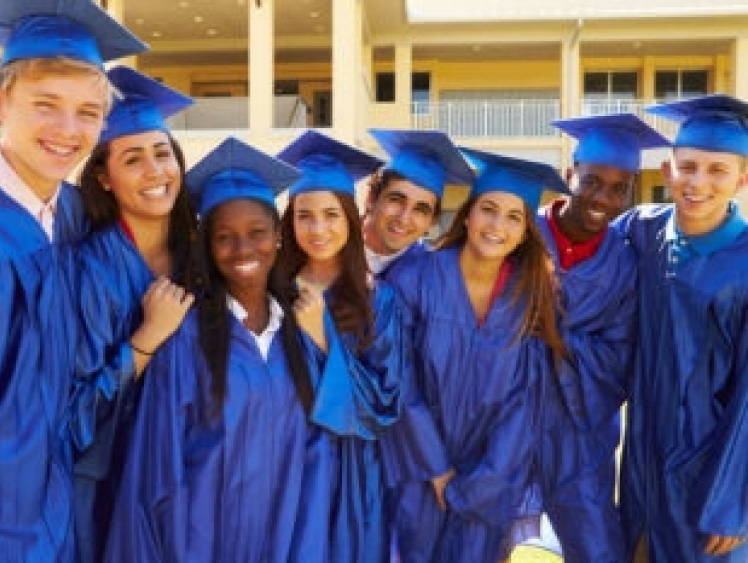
(382, 178)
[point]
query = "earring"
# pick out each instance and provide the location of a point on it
(278, 245)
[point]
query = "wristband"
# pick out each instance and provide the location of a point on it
(141, 351)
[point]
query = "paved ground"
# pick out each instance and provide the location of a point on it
(525, 554)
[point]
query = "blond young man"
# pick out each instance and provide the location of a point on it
(685, 468)
(54, 97)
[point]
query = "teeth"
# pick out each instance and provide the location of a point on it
(59, 150)
(158, 191)
(694, 198)
(494, 239)
(597, 215)
(247, 267)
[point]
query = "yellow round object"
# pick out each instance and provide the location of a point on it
(526, 554)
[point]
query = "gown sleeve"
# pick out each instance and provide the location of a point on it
(600, 343)
(412, 449)
(104, 366)
(359, 393)
(499, 487)
(724, 496)
(152, 510)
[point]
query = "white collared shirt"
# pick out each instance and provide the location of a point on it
(23, 195)
(379, 262)
(274, 322)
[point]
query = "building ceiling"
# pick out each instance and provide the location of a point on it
(435, 11)
(221, 19)
(210, 31)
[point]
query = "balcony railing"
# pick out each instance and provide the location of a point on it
(635, 106)
(488, 118)
(233, 113)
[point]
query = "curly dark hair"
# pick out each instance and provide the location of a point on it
(103, 212)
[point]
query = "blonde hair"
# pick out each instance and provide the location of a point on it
(36, 69)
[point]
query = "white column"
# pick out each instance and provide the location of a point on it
(739, 52)
(569, 91)
(116, 9)
(347, 78)
(261, 75)
(403, 81)
(570, 78)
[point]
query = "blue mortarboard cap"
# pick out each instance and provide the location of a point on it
(327, 164)
(612, 140)
(235, 170)
(426, 158)
(524, 178)
(715, 123)
(143, 104)
(77, 29)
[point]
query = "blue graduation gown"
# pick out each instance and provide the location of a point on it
(414, 251)
(36, 493)
(599, 302)
(481, 387)
(110, 278)
(685, 471)
(358, 398)
(261, 483)
(227, 486)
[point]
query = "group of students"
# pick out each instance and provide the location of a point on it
(189, 374)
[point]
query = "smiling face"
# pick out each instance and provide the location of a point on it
(243, 242)
(402, 213)
(320, 225)
(599, 195)
(702, 184)
(496, 225)
(143, 173)
(50, 123)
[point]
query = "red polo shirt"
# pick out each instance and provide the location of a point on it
(570, 253)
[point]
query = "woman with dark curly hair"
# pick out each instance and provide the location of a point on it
(130, 283)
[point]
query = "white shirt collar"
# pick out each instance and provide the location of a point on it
(274, 322)
(43, 212)
(379, 262)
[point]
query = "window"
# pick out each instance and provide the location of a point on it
(675, 84)
(611, 84)
(421, 92)
(660, 194)
(385, 86)
(420, 88)
(286, 87)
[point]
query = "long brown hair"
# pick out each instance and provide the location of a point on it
(349, 294)
(536, 286)
(102, 210)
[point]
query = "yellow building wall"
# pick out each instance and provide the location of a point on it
(648, 65)
(311, 76)
(484, 75)
(648, 179)
(479, 75)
